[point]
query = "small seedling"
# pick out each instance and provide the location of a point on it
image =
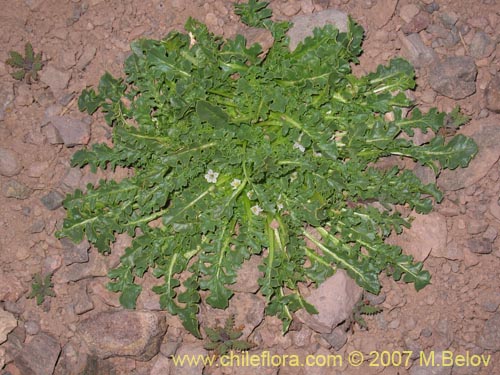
(28, 66)
(224, 339)
(41, 287)
(363, 307)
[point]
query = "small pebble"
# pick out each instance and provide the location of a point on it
(394, 324)
(490, 234)
(426, 332)
(15, 189)
(446, 268)
(432, 7)
(52, 200)
(31, 327)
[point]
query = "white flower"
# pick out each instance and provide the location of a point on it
(235, 183)
(192, 40)
(317, 154)
(280, 206)
(250, 194)
(211, 176)
(298, 146)
(293, 176)
(256, 209)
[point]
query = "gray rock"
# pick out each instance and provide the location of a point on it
(161, 365)
(100, 293)
(413, 346)
(9, 163)
(438, 31)
(16, 189)
(448, 208)
(248, 310)
(416, 51)
(337, 338)
(304, 25)
(490, 337)
(476, 226)
(86, 57)
(82, 302)
(72, 179)
(290, 8)
(52, 200)
(7, 323)
(492, 94)
(375, 299)
(171, 341)
(490, 234)
(431, 369)
(382, 12)
(490, 302)
(56, 79)
(96, 266)
(479, 246)
(75, 253)
(443, 334)
(334, 299)
(73, 360)
(39, 356)
(418, 23)
(425, 174)
(12, 287)
(38, 226)
(38, 169)
(432, 7)
(32, 327)
(481, 45)
(52, 135)
(494, 207)
(452, 38)
(455, 77)
(427, 234)
(301, 338)
(6, 98)
(485, 133)
(407, 12)
(133, 334)
(24, 96)
(248, 276)
(71, 131)
(451, 251)
(191, 349)
(449, 19)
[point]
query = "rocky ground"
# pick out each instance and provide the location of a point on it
(454, 47)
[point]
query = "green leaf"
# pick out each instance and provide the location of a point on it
(212, 114)
(15, 60)
(89, 101)
(456, 153)
(28, 52)
(253, 13)
(19, 75)
(129, 295)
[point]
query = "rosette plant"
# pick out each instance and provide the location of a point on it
(238, 152)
